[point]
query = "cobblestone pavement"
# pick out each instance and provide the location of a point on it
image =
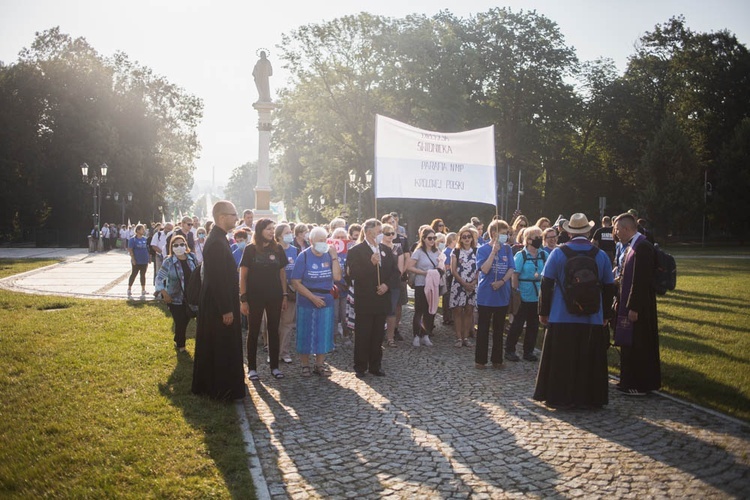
(436, 427)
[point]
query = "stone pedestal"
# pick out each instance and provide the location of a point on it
(263, 187)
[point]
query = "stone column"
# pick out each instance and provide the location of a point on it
(263, 187)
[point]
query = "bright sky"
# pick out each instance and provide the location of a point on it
(209, 47)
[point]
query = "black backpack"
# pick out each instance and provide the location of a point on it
(581, 289)
(665, 271)
(193, 288)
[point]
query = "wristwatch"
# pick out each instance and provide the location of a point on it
(243, 297)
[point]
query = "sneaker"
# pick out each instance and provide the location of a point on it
(530, 357)
(512, 356)
(467, 343)
(252, 375)
(426, 341)
(497, 366)
(287, 359)
(416, 342)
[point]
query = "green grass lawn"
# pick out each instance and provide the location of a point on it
(704, 328)
(96, 403)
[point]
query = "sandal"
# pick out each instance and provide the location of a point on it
(467, 343)
(253, 375)
(458, 343)
(392, 343)
(306, 371)
(322, 370)
(277, 373)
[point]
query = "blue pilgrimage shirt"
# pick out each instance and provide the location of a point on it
(555, 269)
(316, 274)
(503, 261)
(140, 249)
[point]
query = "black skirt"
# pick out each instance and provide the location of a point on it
(573, 368)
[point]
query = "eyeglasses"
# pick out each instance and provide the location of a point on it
(388, 234)
(466, 237)
(177, 245)
(431, 238)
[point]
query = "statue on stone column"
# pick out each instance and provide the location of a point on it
(261, 72)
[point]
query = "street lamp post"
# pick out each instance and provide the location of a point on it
(360, 187)
(95, 181)
(314, 205)
(124, 203)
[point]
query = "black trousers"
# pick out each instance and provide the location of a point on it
(181, 320)
(138, 268)
(272, 308)
(495, 315)
(422, 316)
(369, 331)
(528, 314)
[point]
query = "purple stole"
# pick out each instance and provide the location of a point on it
(623, 326)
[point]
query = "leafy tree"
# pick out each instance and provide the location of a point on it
(731, 206)
(240, 189)
(68, 105)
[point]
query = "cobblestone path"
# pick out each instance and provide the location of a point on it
(436, 427)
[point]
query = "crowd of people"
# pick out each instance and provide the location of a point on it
(347, 283)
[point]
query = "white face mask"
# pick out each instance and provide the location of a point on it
(503, 238)
(179, 250)
(441, 246)
(321, 247)
(288, 238)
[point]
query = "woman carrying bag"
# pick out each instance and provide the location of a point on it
(171, 283)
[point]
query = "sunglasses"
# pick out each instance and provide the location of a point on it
(431, 238)
(189, 224)
(388, 234)
(177, 245)
(466, 237)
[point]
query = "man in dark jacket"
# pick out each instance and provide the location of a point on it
(374, 271)
(218, 371)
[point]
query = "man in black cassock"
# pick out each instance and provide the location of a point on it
(218, 371)
(374, 270)
(640, 367)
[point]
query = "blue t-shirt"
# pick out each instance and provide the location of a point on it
(140, 249)
(448, 252)
(486, 296)
(316, 274)
(555, 269)
(530, 270)
(291, 258)
(237, 254)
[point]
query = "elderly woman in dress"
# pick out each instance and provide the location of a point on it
(315, 271)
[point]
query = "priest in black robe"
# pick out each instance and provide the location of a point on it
(640, 367)
(218, 371)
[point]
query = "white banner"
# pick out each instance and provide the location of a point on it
(415, 163)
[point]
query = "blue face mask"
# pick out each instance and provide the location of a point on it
(241, 244)
(321, 247)
(503, 238)
(288, 238)
(441, 246)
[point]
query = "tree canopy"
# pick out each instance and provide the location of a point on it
(576, 130)
(65, 104)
